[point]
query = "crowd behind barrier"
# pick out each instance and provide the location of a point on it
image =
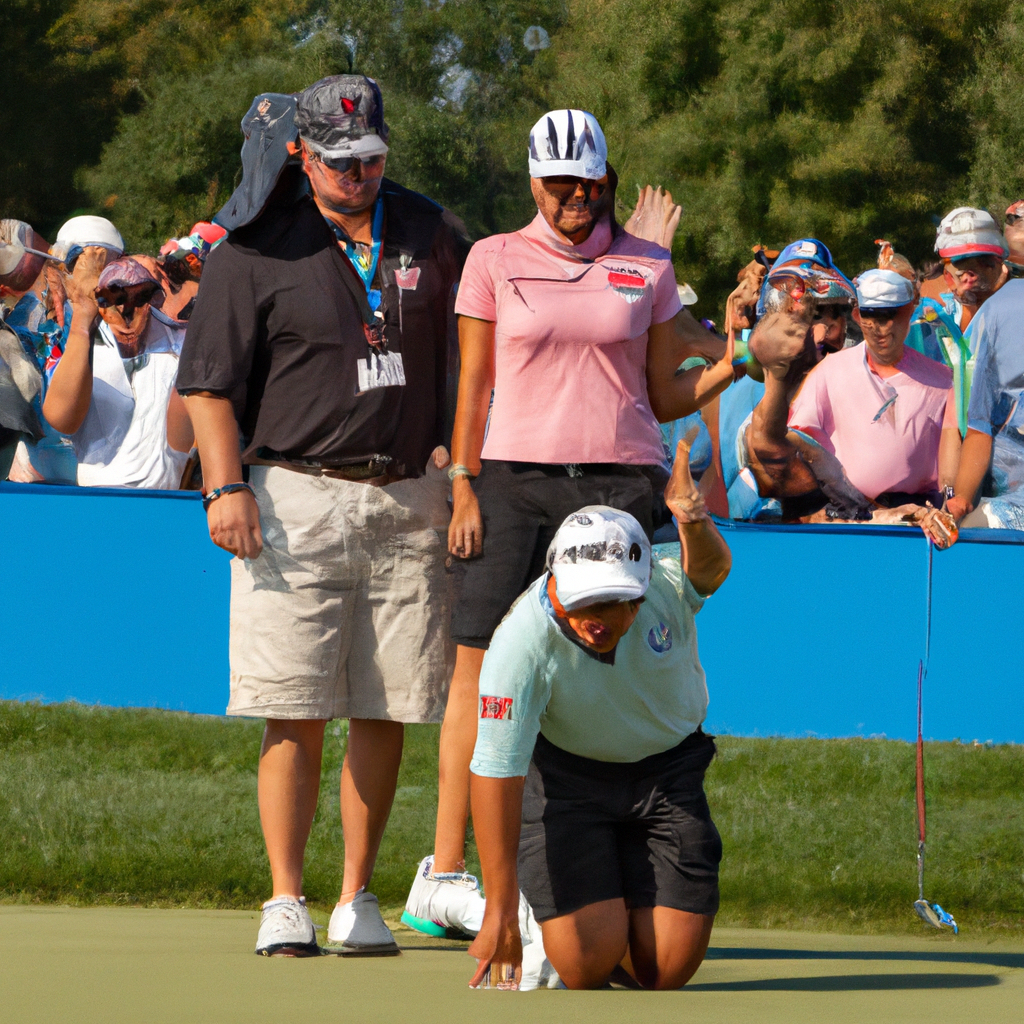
(123, 423)
(442, 468)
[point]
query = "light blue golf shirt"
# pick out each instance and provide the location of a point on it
(535, 679)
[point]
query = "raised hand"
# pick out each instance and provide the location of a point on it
(742, 302)
(682, 496)
(656, 217)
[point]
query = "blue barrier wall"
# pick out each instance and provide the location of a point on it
(118, 597)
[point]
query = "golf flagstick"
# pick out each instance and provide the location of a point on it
(930, 913)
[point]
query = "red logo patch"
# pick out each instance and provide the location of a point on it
(347, 105)
(496, 707)
(625, 279)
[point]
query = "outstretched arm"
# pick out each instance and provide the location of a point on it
(705, 556)
(975, 457)
(497, 812)
(673, 396)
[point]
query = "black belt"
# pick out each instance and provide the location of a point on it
(376, 469)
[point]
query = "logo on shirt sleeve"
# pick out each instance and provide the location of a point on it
(630, 284)
(660, 638)
(499, 708)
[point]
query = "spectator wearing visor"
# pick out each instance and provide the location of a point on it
(590, 756)
(112, 389)
(571, 322)
(801, 318)
(884, 411)
(320, 333)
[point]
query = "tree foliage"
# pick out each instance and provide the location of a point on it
(768, 119)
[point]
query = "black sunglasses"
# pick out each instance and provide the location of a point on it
(117, 296)
(344, 164)
(565, 186)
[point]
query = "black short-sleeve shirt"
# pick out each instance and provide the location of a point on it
(277, 329)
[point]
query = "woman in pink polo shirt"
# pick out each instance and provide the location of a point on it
(571, 322)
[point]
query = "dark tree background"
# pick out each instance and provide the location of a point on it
(768, 119)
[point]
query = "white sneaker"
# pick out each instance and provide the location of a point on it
(359, 929)
(444, 905)
(537, 969)
(286, 929)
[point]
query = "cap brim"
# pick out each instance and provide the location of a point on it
(884, 309)
(588, 170)
(365, 146)
(596, 595)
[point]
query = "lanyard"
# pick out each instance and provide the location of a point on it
(365, 265)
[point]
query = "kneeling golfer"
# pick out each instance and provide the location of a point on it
(589, 761)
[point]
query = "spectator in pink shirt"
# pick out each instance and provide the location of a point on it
(575, 325)
(884, 411)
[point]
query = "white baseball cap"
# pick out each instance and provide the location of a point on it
(883, 289)
(967, 231)
(599, 554)
(87, 230)
(568, 142)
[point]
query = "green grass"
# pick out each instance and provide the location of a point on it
(156, 808)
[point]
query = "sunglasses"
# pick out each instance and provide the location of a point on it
(1012, 218)
(881, 313)
(564, 186)
(831, 311)
(344, 164)
(119, 297)
(972, 265)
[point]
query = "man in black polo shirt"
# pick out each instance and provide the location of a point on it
(320, 335)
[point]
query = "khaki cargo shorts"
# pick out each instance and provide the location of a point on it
(345, 614)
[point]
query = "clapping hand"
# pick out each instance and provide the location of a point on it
(655, 218)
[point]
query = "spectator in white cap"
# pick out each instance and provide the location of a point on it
(973, 251)
(589, 760)
(574, 324)
(885, 411)
(79, 233)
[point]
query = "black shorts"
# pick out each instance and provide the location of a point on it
(522, 505)
(642, 832)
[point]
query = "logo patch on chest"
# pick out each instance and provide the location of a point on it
(660, 638)
(630, 284)
(499, 708)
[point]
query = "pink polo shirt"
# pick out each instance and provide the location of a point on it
(884, 430)
(570, 342)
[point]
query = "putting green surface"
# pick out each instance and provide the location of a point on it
(116, 965)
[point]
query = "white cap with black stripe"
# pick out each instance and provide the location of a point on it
(568, 142)
(599, 554)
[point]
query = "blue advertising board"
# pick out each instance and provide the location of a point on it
(118, 597)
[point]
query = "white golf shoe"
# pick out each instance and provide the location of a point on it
(444, 905)
(359, 929)
(286, 929)
(537, 969)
